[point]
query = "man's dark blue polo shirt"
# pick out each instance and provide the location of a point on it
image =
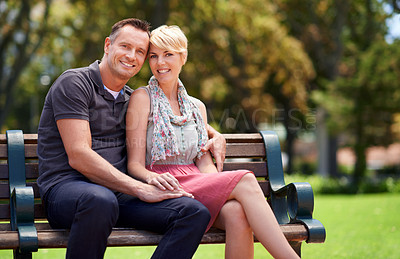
(80, 94)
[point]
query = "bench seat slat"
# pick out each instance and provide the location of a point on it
(58, 238)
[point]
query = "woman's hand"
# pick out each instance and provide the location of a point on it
(165, 181)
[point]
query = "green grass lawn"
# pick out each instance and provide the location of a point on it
(359, 226)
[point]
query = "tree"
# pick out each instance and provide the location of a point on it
(245, 66)
(70, 34)
(355, 70)
(242, 62)
(24, 27)
(319, 25)
(364, 100)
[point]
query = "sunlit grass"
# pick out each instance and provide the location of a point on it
(359, 226)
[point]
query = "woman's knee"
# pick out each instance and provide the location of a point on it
(234, 215)
(248, 184)
(249, 179)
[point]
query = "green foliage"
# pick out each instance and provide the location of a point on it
(24, 26)
(343, 185)
(368, 91)
(357, 71)
(240, 56)
(250, 65)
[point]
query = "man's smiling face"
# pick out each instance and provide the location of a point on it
(126, 55)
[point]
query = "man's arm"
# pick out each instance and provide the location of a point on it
(217, 145)
(76, 137)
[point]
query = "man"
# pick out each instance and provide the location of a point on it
(82, 158)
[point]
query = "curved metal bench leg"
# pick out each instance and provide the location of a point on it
(294, 202)
(21, 197)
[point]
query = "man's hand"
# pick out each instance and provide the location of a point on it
(217, 145)
(151, 193)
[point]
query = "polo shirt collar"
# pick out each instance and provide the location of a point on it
(94, 73)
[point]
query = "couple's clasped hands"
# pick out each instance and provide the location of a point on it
(159, 187)
(165, 186)
(168, 183)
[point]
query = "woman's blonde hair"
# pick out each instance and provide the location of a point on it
(170, 38)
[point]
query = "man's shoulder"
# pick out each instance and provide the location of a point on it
(88, 72)
(70, 78)
(81, 77)
(73, 72)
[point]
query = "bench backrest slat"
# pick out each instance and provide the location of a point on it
(31, 171)
(5, 211)
(243, 150)
(30, 151)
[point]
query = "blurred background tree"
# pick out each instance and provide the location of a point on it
(320, 25)
(356, 70)
(245, 66)
(23, 28)
(255, 63)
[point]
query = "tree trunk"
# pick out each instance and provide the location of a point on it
(360, 153)
(361, 164)
(332, 154)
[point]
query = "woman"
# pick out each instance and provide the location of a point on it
(165, 133)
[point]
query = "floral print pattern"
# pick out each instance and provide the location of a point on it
(164, 139)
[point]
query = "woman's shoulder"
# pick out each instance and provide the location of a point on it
(141, 93)
(201, 106)
(140, 98)
(197, 102)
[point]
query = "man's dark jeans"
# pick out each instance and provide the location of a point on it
(91, 210)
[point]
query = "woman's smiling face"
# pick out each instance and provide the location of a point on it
(165, 65)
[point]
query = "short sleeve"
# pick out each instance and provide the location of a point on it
(71, 97)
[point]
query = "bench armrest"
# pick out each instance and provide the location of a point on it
(22, 218)
(21, 196)
(292, 203)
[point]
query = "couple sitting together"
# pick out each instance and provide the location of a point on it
(110, 156)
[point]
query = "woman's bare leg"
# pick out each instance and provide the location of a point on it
(261, 217)
(239, 235)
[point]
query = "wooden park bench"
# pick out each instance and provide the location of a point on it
(23, 225)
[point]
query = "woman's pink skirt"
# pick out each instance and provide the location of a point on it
(211, 189)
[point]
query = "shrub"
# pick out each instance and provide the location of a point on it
(343, 185)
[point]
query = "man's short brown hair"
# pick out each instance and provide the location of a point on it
(137, 23)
